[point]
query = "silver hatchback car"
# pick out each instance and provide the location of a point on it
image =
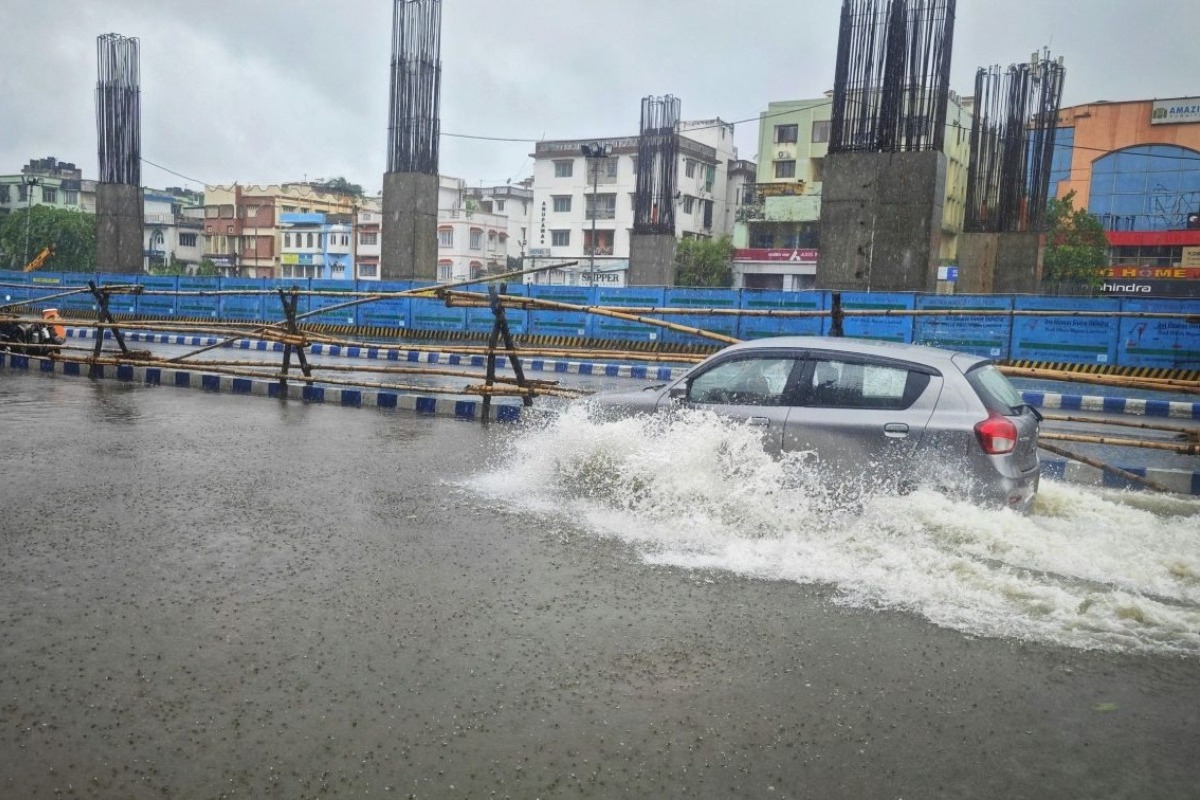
(899, 415)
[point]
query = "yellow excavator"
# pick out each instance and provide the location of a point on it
(41, 258)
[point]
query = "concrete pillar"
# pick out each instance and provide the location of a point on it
(408, 244)
(881, 221)
(651, 259)
(119, 220)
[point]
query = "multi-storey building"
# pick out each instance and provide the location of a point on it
(515, 203)
(471, 242)
(1136, 166)
(583, 207)
(170, 235)
(242, 235)
(316, 245)
(366, 257)
(777, 235)
(45, 182)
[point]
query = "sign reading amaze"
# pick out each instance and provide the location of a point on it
(805, 256)
(1170, 112)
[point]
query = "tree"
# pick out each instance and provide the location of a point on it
(72, 234)
(704, 263)
(1076, 248)
(341, 186)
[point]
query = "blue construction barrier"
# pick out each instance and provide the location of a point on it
(624, 330)
(1067, 339)
(759, 327)
(340, 316)
(481, 320)
(889, 329)
(983, 335)
(561, 323)
(1150, 342)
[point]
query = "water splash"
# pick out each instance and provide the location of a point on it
(1089, 569)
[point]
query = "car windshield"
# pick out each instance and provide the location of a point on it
(995, 390)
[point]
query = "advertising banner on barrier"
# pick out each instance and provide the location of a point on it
(241, 307)
(390, 313)
(601, 327)
(983, 335)
(1071, 339)
(343, 291)
(560, 323)
(21, 292)
(148, 305)
(760, 300)
(898, 328)
(726, 324)
(273, 303)
(431, 314)
(194, 305)
(1154, 342)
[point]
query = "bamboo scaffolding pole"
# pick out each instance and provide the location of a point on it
(1184, 433)
(1182, 449)
(1123, 381)
(558, 306)
(1109, 468)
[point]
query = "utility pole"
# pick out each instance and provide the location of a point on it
(30, 181)
(594, 152)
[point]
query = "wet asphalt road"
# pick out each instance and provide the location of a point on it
(219, 596)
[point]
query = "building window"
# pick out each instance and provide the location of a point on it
(560, 238)
(601, 206)
(785, 169)
(49, 195)
(287, 240)
(818, 170)
(368, 238)
(72, 198)
(689, 204)
(499, 205)
(610, 167)
(476, 239)
(22, 192)
(820, 130)
(187, 240)
(445, 271)
(564, 169)
(366, 270)
(689, 168)
(491, 241)
(309, 239)
(786, 134)
(562, 203)
(445, 237)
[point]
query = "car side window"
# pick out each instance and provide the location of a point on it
(744, 381)
(846, 384)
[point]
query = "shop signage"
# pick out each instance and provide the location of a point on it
(805, 256)
(1170, 112)
(1154, 273)
(1191, 257)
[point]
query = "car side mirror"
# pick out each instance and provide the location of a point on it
(679, 392)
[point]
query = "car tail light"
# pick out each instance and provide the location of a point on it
(997, 434)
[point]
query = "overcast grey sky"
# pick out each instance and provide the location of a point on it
(260, 91)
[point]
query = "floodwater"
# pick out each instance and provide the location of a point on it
(225, 596)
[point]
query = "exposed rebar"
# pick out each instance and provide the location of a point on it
(118, 109)
(658, 154)
(413, 114)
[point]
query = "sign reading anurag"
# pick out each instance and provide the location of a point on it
(1180, 109)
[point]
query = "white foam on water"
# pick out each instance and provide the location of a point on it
(1089, 568)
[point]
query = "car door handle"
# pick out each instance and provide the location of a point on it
(761, 422)
(895, 430)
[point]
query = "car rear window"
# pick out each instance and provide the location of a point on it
(847, 384)
(995, 390)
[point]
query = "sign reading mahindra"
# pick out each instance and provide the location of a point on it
(1181, 109)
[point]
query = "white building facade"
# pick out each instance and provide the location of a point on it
(583, 208)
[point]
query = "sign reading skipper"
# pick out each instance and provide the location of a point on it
(1170, 112)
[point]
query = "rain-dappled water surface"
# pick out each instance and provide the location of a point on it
(222, 596)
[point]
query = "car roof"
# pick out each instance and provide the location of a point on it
(865, 347)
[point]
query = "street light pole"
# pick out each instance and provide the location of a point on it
(593, 153)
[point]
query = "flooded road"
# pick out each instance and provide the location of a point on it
(220, 596)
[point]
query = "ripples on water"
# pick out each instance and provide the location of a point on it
(1090, 568)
